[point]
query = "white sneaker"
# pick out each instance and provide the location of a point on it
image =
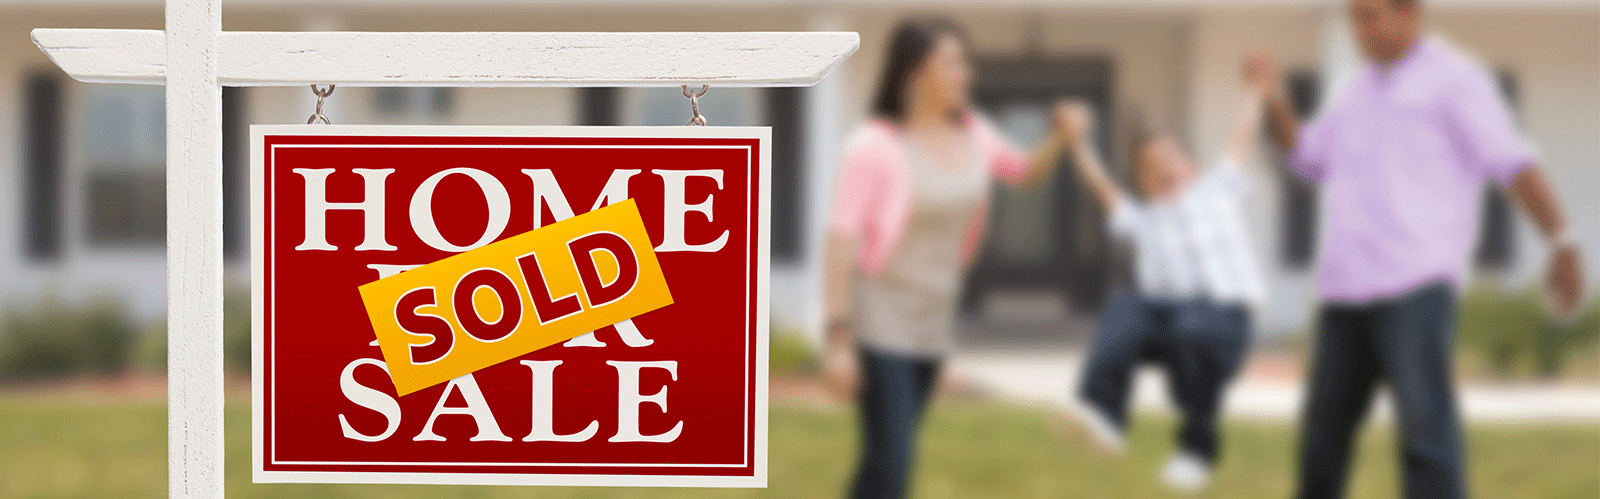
(1186, 472)
(1103, 431)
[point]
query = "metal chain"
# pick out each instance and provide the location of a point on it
(321, 94)
(694, 104)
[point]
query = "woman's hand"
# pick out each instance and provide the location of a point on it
(841, 366)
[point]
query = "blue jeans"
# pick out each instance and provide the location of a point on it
(894, 391)
(1201, 343)
(1406, 341)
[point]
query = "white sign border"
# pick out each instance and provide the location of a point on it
(763, 303)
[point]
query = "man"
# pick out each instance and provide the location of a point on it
(1401, 157)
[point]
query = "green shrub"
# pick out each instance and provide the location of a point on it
(791, 354)
(55, 339)
(107, 339)
(150, 350)
(236, 330)
(1514, 335)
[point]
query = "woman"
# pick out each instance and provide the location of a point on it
(906, 220)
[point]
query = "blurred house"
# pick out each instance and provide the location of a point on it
(81, 166)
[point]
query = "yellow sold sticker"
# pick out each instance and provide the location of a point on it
(488, 305)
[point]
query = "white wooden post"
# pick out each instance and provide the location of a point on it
(194, 250)
(194, 57)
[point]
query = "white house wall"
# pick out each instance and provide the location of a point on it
(137, 277)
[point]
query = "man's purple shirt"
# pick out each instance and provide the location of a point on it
(1402, 156)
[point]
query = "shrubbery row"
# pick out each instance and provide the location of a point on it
(99, 338)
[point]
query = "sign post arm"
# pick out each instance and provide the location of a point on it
(464, 59)
(194, 250)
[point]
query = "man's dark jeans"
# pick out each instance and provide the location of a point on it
(1405, 341)
(1201, 344)
(894, 392)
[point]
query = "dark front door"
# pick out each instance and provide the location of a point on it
(1046, 247)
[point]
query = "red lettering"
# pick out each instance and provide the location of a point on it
(600, 293)
(546, 306)
(467, 310)
(405, 314)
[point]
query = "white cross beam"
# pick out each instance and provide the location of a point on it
(193, 57)
(253, 58)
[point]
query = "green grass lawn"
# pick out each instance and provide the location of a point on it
(60, 447)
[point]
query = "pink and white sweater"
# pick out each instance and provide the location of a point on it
(872, 202)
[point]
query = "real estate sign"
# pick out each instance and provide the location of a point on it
(510, 305)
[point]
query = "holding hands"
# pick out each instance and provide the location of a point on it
(1073, 120)
(1262, 75)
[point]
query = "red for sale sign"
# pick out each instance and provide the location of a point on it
(510, 305)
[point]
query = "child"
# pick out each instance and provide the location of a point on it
(1195, 281)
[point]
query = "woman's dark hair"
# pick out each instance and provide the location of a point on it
(913, 40)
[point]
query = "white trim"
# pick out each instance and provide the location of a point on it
(464, 59)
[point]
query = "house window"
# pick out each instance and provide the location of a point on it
(125, 151)
(41, 122)
(667, 107)
(1300, 200)
(788, 171)
(127, 208)
(414, 102)
(235, 173)
(598, 106)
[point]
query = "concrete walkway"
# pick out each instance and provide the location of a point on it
(1267, 389)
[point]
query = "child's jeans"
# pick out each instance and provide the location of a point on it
(1201, 343)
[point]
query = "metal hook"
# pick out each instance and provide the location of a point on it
(321, 94)
(694, 104)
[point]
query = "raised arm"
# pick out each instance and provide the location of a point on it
(1262, 74)
(1076, 118)
(1043, 159)
(1246, 127)
(1010, 163)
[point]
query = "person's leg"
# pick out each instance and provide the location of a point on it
(1119, 347)
(1343, 372)
(1207, 348)
(1414, 338)
(891, 400)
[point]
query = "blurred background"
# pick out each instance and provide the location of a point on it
(82, 211)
